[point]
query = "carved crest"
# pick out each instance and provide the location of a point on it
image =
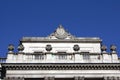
(61, 33)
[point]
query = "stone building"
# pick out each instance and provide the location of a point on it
(61, 56)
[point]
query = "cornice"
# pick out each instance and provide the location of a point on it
(59, 41)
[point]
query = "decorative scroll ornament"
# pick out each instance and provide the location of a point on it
(48, 47)
(76, 48)
(60, 33)
(11, 47)
(20, 47)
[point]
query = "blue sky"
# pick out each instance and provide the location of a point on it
(83, 18)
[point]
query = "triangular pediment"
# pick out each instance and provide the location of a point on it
(61, 33)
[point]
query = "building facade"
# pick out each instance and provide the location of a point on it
(61, 56)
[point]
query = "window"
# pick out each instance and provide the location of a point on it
(86, 56)
(39, 57)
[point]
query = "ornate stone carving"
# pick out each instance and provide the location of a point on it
(60, 33)
(48, 47)
(76, 47)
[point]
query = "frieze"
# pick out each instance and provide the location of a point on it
(62, 66)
